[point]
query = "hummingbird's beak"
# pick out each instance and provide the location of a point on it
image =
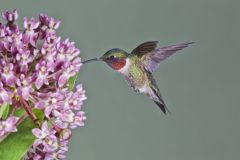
(93, 59)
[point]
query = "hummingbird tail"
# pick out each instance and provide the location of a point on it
(161, 106)
(159, 101)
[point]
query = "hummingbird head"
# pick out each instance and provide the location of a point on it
(115, 58)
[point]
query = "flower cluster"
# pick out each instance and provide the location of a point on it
(35, 67)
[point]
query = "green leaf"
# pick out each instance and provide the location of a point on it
(72, 81)
(39, 113)
(6, 111)
(15, 146)
(3, 107)
(19, 112)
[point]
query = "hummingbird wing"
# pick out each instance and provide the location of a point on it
(145, 48)
(151, 56)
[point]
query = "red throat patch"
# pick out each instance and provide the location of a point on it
(118, 63)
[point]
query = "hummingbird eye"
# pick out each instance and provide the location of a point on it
(111, 57)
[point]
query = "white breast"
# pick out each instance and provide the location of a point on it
(125, 69)
(144, 89)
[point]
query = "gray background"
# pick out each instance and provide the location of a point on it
(200, 84)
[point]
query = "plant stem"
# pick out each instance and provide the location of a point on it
(29, 111)
(54, 126)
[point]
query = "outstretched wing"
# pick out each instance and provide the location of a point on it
(145, 48)
(152, 56)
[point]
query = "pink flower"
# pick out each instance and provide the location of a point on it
(79, 120)
(8, 125)
(7, 73)
(46, 137)
(5, 96)
(41, 74)
(10, 16)
(30, 35)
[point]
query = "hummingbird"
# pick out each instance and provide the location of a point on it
(138, 66)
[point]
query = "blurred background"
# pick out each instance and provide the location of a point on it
(200, 84)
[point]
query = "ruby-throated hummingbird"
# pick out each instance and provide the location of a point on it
(138, 66)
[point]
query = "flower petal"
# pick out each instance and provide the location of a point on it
(62, 80)
(37, 132)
